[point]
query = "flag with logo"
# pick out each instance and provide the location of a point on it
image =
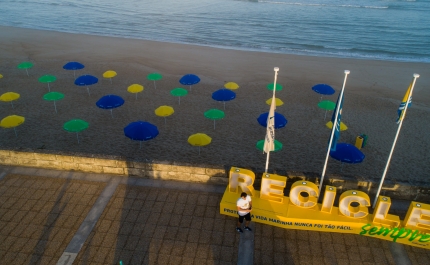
(269, 140)
(401, 110)
(336, 134)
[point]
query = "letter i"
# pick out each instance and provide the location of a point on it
(329, 196)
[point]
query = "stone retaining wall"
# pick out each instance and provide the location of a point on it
(113, 165)
(214, 175)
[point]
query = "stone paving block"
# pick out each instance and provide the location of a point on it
(389, 256)
(193, 235)
(190, 250)
(167, 246)
(178, 248)
(186, 221)
(131, 243)
(152, 195)
(155, 245)
(9, 257)
(229, 239)
(266, 258)
(217, 238)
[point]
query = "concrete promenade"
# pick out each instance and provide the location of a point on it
(62, 217)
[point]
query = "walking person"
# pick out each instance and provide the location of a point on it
(244, 208)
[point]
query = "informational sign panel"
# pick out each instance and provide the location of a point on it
(301, 209)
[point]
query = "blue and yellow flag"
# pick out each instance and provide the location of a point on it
(336, 134)
(401, 110)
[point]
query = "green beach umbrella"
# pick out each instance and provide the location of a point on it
(53, 96)
(179, 92)
(278, 145)
(154, 77)
(76, 125)
(327, 105)
(270, 87)
(47, 79)
(214, 114)
(25, 65)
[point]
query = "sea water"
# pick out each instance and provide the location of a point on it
(375, 29)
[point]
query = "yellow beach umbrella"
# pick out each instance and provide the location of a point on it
(135, 88)
(277, 101)
(164, 111)
(199, 139)
(9, 97)
(109, 74)
(231, 85)
(12, 121)
(343, 127)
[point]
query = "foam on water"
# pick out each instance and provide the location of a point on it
(374, 29)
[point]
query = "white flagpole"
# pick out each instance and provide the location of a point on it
(332, 130)
(276, 69)
(395, 140)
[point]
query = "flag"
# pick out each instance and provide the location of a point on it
(269, 140)
(336, 134)
(401, 110)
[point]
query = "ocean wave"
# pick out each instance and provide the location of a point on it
(328, 5)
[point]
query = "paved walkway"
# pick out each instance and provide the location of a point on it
(57, 217)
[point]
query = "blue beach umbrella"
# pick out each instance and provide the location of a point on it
(189, 80)
(86, 80)
(73, 66)
(347, 153)
(110, 102)
(141, 131)
(323, 89)
(223, 95)
(280, 120)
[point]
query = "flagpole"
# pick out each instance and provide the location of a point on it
(332, 130)
(395, 139)
(276, 69)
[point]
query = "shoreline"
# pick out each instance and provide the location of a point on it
(372, 95)
(233, 48)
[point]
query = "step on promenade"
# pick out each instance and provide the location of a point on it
(68, 217)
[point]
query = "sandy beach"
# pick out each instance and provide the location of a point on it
(373, 92)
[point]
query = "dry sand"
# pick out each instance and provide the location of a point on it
(372, 95)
